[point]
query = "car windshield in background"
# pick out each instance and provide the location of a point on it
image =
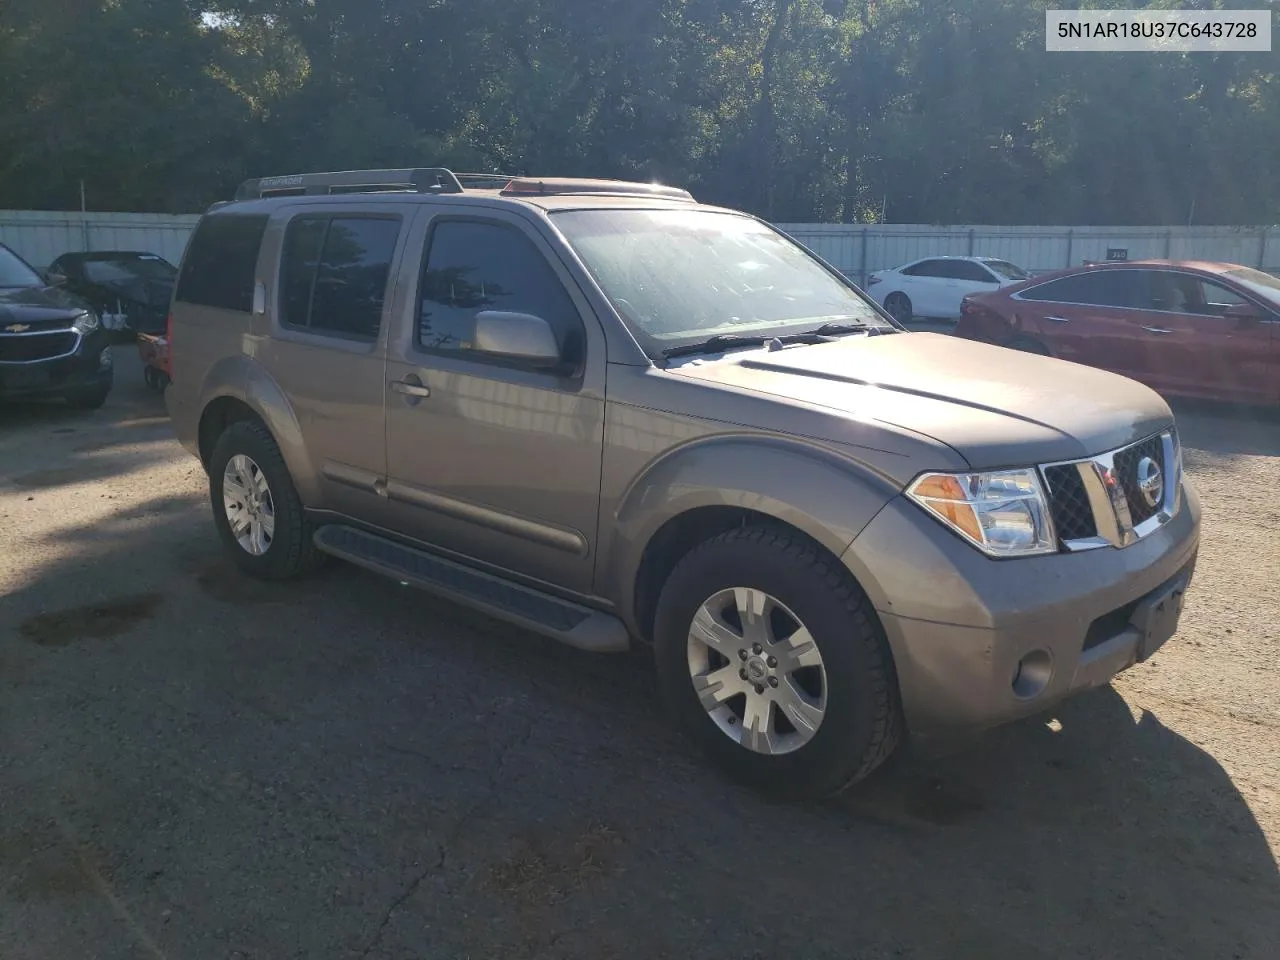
(1263, 284)
(128, 268)
(680, 276)
(1007, 270)
(15, 273)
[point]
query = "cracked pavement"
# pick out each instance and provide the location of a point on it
(193, 765)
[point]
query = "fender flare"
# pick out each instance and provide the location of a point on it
(242, 378)
(828, 497)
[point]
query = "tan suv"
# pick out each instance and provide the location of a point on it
(610, 414)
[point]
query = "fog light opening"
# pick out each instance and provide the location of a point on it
(1033, 673)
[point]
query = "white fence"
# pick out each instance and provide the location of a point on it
(859, 250)
(40, 237)
(855, 249)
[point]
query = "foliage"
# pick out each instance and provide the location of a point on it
(944, 111)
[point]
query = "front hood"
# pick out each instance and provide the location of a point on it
(996, 407)
(36, 304)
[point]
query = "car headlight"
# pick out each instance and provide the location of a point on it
(85, 323)
(1003, 513)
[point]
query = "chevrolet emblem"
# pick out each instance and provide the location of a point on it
(17, 328)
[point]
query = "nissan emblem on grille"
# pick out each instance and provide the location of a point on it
(1150, 481)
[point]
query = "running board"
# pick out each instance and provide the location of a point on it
(571, 623)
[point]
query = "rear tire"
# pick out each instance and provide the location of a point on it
(271, 539)
(848, 711)
(898, 306)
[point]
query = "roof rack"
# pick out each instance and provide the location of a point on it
(442, 180)
(416, 179)
(552, 186)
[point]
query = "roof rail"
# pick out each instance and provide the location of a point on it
(551, 186)
(417, 179)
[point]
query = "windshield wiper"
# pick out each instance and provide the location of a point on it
(727, 341)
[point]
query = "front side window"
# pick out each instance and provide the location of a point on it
(1007, 270)
(474, 266)
(678, 277)
(926, 268)
(970, 271)
(221, 261)
(334, 274)
(14, 271)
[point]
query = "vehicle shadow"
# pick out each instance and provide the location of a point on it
(1228, 429)
(343, 767)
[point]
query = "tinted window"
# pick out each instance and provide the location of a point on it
(1185, 293)
(1106, 288)
(968, 270)
(335, 271)
(1007, 270)
(481, 266)
(927, 268)
(221, 260)
(126, 269)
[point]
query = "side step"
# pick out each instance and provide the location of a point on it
(578, 626)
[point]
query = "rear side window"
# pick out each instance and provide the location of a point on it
(333, 278)
(1104, 288)
(222, 258)
(474, 266)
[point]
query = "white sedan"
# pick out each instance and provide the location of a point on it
(933, 287)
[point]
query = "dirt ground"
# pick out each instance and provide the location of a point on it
(197, 766)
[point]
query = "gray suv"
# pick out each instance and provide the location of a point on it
(610, 414)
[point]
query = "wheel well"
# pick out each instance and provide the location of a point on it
(219, 415)
(681, 534)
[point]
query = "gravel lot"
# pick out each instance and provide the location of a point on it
(194, 765)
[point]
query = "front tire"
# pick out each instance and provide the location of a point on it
(772, 660)
(256, 507)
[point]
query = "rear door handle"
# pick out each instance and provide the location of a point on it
(1157, 330)
(411, 389)
(1059, 319)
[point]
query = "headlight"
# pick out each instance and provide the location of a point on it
(1003, 514)
(85, 323)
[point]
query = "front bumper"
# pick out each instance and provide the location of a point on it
(82, 369)
(979, 642)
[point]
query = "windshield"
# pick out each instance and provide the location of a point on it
(681, 276)
(1007, 270)
(14, 272)
(128, 268)
(1263, 284)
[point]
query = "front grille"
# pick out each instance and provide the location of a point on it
(19, 349)
(1068, 503)
(1126, 467)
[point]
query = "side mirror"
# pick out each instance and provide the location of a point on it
(1243, 313)
(521, 337)
(55, 279)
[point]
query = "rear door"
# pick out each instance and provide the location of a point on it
(1189, 348)
(923, 283)
(334, 281)
(1084, 318)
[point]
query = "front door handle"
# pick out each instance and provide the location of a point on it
(1157, 330)
(411, 388)
(1059, 319)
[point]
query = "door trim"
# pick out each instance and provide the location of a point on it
(559, 538)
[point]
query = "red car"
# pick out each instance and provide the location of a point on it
(1185, 328)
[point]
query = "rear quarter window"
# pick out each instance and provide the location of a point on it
(221, 262)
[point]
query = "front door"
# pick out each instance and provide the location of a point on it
(1189, 348)
(486, 459)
